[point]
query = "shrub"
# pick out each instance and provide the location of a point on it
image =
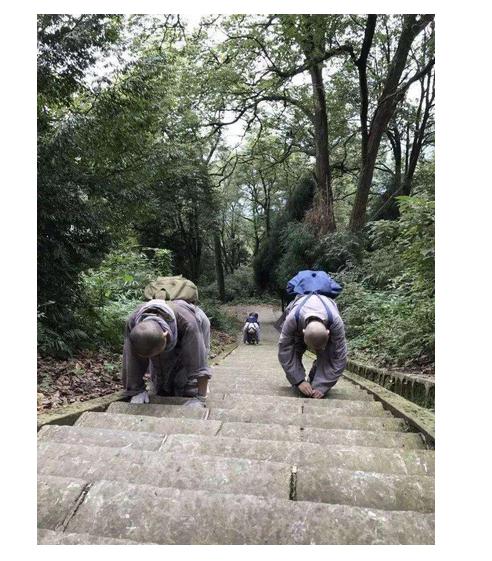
(218, 319)
(113, 290)
(239, 287)
(388, 301)
(298, 251)
(106, 297)
(338, 251)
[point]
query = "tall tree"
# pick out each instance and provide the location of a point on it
(392, 93)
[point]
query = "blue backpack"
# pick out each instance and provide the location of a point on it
(313, 282)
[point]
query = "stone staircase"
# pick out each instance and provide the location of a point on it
(259, 465)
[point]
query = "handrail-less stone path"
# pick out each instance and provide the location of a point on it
(260, 465)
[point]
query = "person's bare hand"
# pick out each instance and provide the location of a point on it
(317, 394)
(306, 389)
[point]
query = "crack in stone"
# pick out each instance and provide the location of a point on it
(293, 483)
(81, 498)
(220, 428)
(163, 443)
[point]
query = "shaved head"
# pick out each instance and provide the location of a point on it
(316, 336)
(148, 339)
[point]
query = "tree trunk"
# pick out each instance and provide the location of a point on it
(219, 267)
(323, 203)
(387, 103)
(387, 209)
(403, 186)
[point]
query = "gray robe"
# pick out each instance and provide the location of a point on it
(330, 363)
(176, 370)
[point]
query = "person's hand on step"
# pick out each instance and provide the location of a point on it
(317, 394)
(306, 389)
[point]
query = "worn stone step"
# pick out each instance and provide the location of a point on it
(298, 407)
(368, 489)
(57, 498)
(343, 418)
(355, 458)
(271, 381)
(252, 415)
(383, 439)
(101, 437)
(267, 360)
(50, 537)
(285, 391)
(171, 516)
(219, 378)
(170, 411)
(224, 401)
(213, 473)
(145, 423)
(255, 431)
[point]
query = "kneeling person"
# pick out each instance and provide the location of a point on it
(251, 323)
(313, 323)
(172, 340)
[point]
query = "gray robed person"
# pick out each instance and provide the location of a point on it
(172, 341)
(313, 322)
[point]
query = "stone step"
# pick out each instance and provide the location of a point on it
(362, 408)
(355, 458)
(268, 360)
(212, 473)
(250, 415)
(170, 516)
(101, 437)
(50, 537)
(170, 411)
(234, 475)
(57, 498)
(285, 391)
(258, 376)
(291, 433)
(298, 407)
(255, 431)
(144, 423)
(270, 381)
(368, 489)
(382, 439)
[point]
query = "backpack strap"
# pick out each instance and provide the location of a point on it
(301, 304)
(327, 309)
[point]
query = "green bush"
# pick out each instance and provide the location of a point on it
(298, 251)
(113, 290)
(338, 251)
(53, 343)
(122, 275)
(219, 320)
(239, 287)
(106, 297)
(388, 301)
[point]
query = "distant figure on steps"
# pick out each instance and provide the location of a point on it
(313, 322)
(251, 323)
(172, 340)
